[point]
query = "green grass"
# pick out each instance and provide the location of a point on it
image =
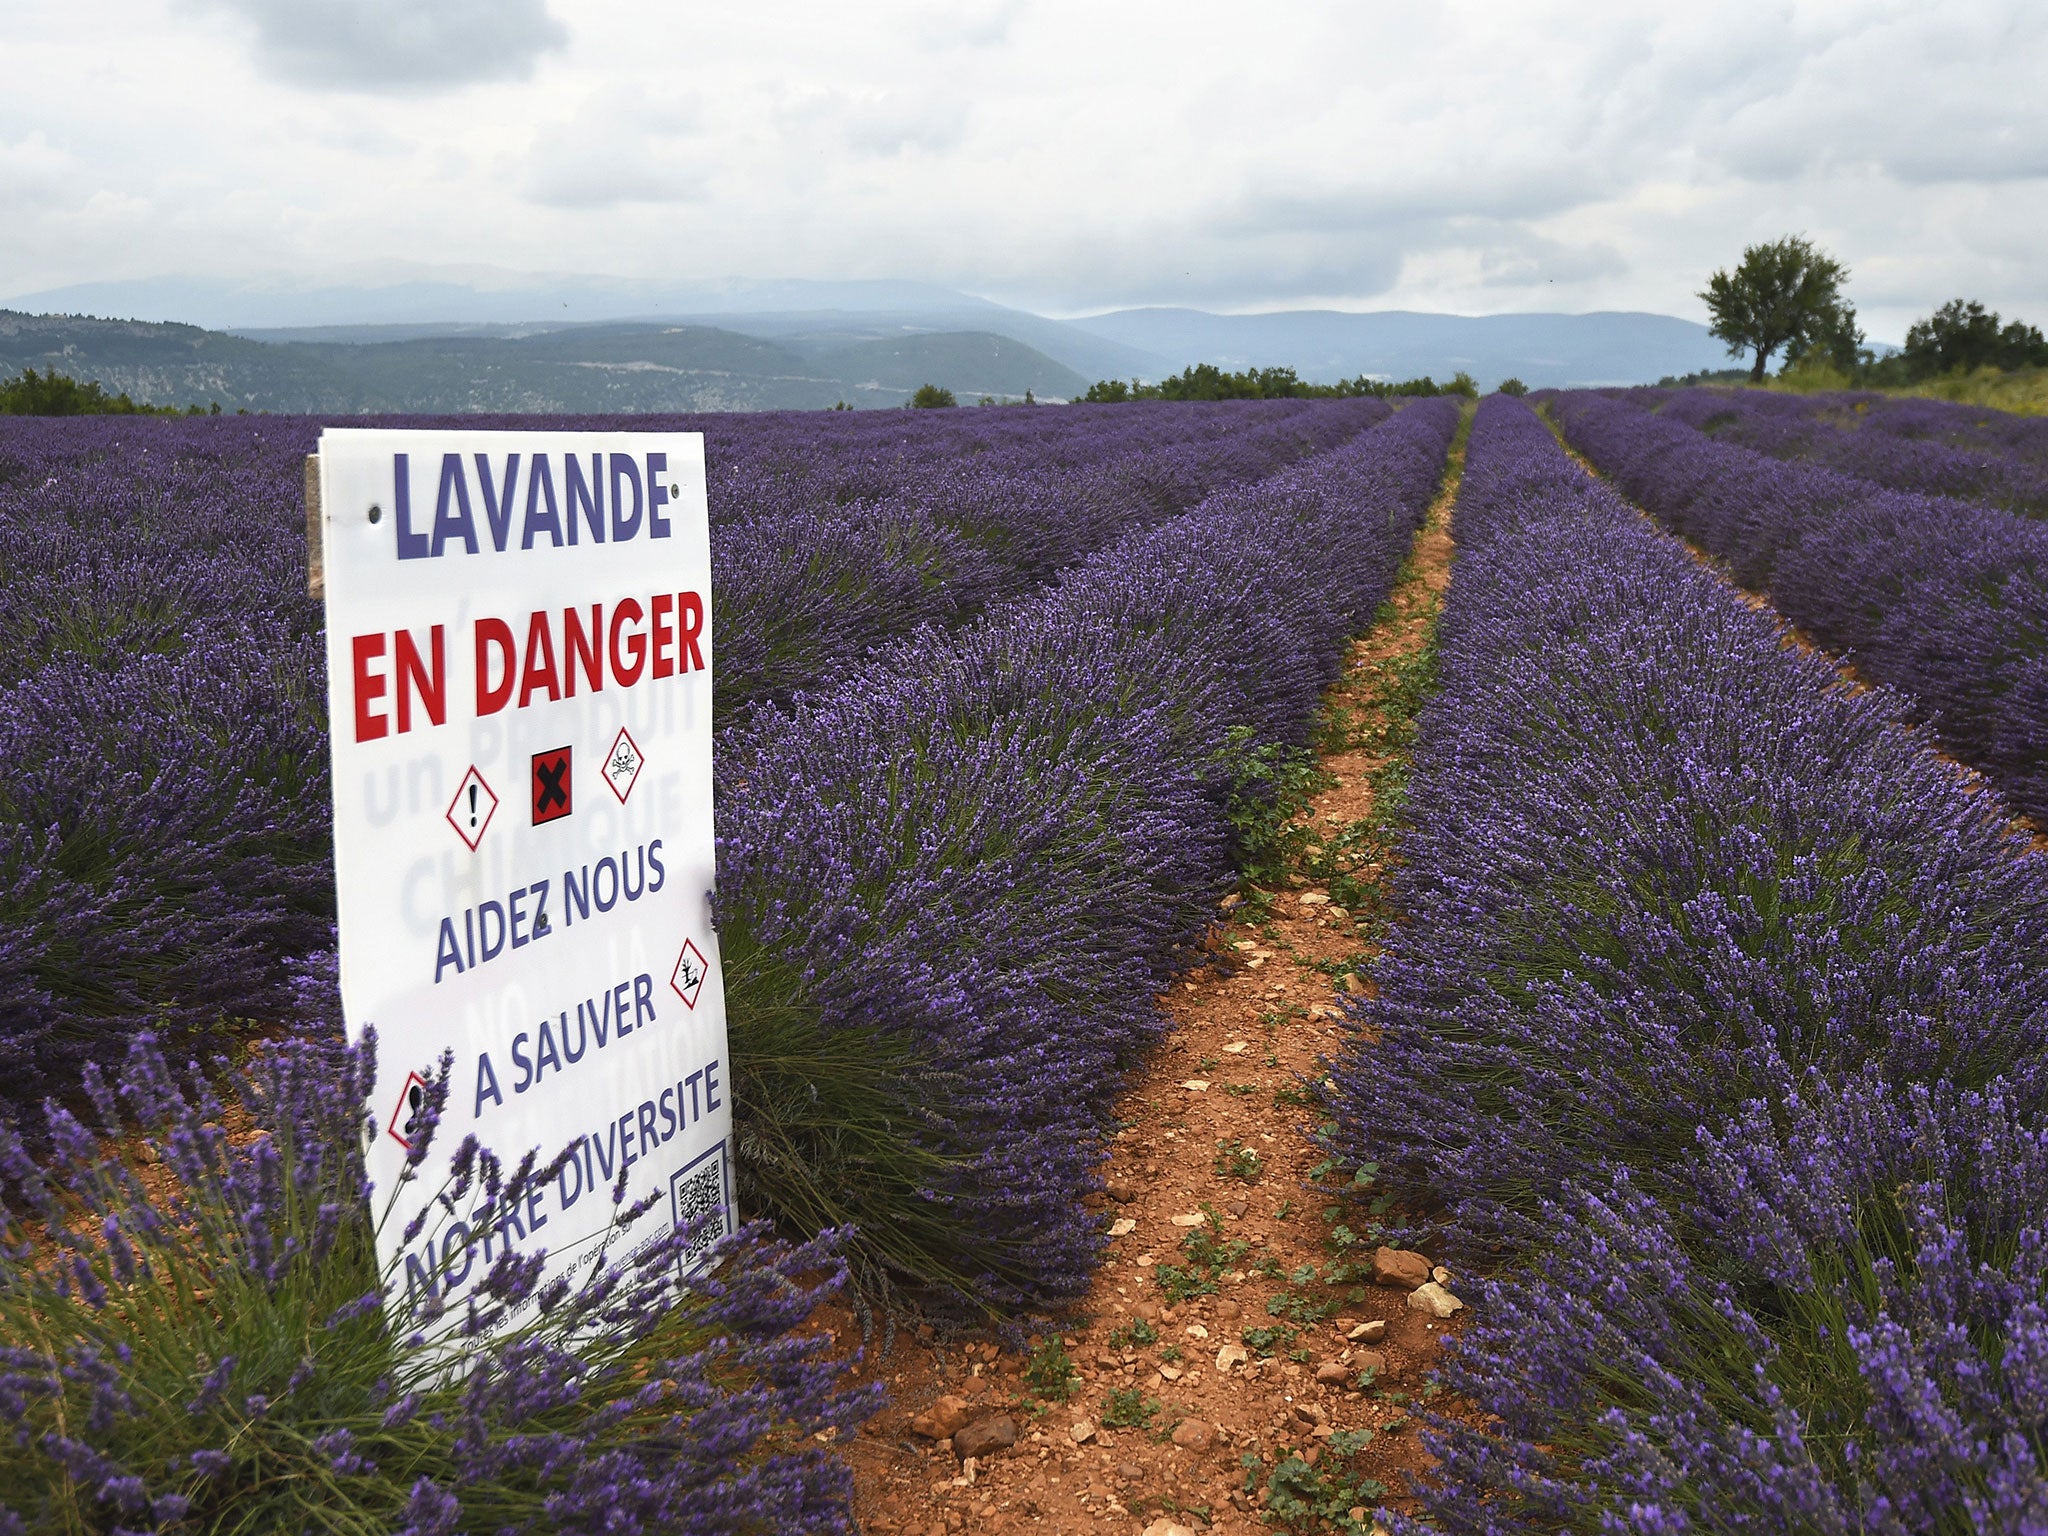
(2023, 391)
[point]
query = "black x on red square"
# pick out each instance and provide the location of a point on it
(550, 785)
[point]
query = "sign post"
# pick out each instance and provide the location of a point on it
(519, 699)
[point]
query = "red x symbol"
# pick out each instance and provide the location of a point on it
(550, 785)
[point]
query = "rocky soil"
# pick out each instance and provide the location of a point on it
(1246, 1360)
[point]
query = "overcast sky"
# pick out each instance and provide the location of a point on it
(1066, 157)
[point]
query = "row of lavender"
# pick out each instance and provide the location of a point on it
(819, 566)
(163, 816)
(951, 890)
(1717, 1031)
(972, 867)
(1943, 600)
(1927, 446)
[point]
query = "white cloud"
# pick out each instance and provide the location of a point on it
(1469, 155)
(34, 174)
(634, 144)
(399, 45)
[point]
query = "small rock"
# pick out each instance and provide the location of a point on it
(1122, 1226)
(1332, 1374)
(1399, 1268)
(1305, 1413)
(1148, 1310)
(1230, 903)
(985, 1437)
(1344, 1325)
(1227, 1310)
(1229, 1355)
(1368, 1333)
(1369, 1360)
(1440, 1275)
(1434, 1299)
(944, 1419)
(1108, 1362)
(1122, 1191)
(1170, 1372)
(1083, 1430)
(1129, 1472)
(1197, 1331)
(1354, 984)
(1234, 1048)
(1235, 1209)
(1194, 1434)
(1195, 1085)
(1194, 1220)
(1165, 1527)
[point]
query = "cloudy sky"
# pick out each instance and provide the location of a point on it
(1063, 156)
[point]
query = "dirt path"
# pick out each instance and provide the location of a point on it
(1973, 779)
(1194, 1389)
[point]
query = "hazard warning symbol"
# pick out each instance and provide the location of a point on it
(688, 976)
(552, 786)
(412, 1103)
(622, 764)
(469, 813)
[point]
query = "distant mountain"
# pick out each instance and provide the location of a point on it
(491, 337)
(407, 294)
(578, 369)
(406, 302)
(1615, 347)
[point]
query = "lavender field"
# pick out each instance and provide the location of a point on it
(1715, 1039)
(1706, 1037)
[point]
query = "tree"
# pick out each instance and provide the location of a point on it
(929, 396)
(1513, 387)
(1963, 335)
(1786, 293)
(54, 394)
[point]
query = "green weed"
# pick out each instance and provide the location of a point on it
(1235, 1160)
(1127, 1408)
(1050, 1372)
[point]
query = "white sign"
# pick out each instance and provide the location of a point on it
(519, 696)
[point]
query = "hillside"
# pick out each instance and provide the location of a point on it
(631, 367)
(1615, 347)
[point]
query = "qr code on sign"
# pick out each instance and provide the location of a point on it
(702, 1197)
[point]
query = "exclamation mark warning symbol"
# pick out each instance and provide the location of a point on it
(469, 813)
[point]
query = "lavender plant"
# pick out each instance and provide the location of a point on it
(1942, 599)
(979, 857)
(1923, 446)
(164, 849)
(1713, 1029)
(202, 1342)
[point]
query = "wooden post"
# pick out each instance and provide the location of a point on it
(316, 581)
